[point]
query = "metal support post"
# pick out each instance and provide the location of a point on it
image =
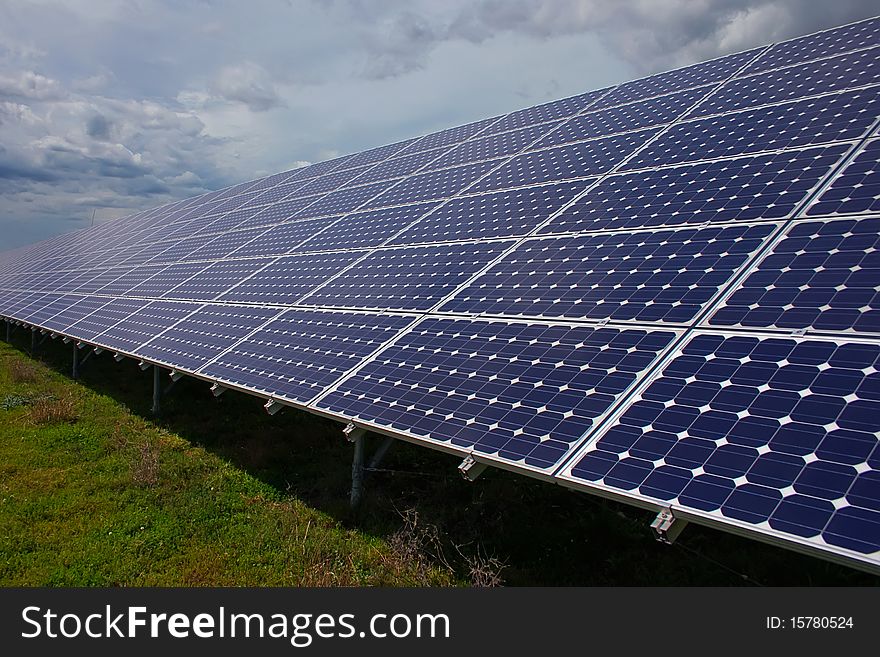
(157, 390)
(33, 342)
(357, 470)
(75, 372)
(8, 331)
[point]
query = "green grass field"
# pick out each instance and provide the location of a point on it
(93, 491)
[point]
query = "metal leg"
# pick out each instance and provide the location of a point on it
(33, 342)
(357, 470)
(8, 331)
(75, 362)
(157, 390)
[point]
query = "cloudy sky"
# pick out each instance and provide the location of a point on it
(110, 106)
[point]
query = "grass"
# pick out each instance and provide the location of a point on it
(93, 491)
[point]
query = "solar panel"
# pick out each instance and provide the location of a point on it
(564, 162)
(647, 276)
(842, 72)
(823, 275)
(298, 354)
(766, 186)
(664, 292)
(856, 189)
(776, 433)
(514, 391)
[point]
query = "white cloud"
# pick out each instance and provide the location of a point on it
(247, 83)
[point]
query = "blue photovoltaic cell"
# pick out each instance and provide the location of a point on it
(825, 275)
(141, 254)
(331, 181)
(399, 166)
(273, 180)
(414, 278)
(564, 162)
(284, 238)
(29, 304)
(366, 229)
(209, 331)
(220, 246)
(236, 202)
(856, 189)
(104, 317)
(645, 276)
(103, 278)
(497, 145)
(178, 251)
(73, 313)
(80, 278)
(378, 154)
(500, 214)
(289, 278)
(169, 277)
(131, 279)
(835, 117)
(449, 136)
(216, 279)
(343, 200)
(843, 72)
(302, 352)
(522, 392)
(432, 185)
(144, 324)
(780, 433)
(714, 70)
(823, 44)
(623, 118)
(556, 109)
(278, 212)
(49, 307)
(752, 187)
(233, 221)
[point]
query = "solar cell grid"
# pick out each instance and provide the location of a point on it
(650, 276)
(144, 324)
(521, 392)
(836, 117)
(100, 319)
(493, 146)
(766, 186)
(777, 433)
(824, 275)
(48, 308)
(297, 355)
(842, 72)
(289, 278)
(222, 245)
(128, 280)
(73, 313)
(343, 200)
(500, 214)
(398, 166)
(103, 277)
(283, 238)
(566, 162)
(331, 181)
(172, 275)
(624, 118)
(432, 185)
(215, 279)
(405, 278)
(856, 189)
(366, 229)
(378, 154)
(278, 212)
(210, 330)
(556, 109)
(448, 136)
(703, 73)
(863, 34)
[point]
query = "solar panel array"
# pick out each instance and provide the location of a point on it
(665, 292)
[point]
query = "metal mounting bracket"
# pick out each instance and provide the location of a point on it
(470, 468)
(175, 375)
(217, 390)
(798, 332)
(99, 351)
(144, 365)
(667, 527)
(273, 406)
(65, 340)
(352, 433)
(118, 357)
